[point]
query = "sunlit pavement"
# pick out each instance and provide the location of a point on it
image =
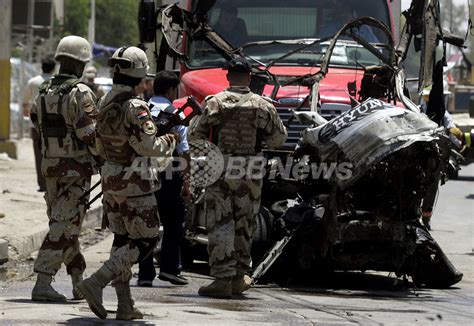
(346, 298)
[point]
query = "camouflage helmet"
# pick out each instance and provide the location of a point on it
(130, 61)
(74, 47)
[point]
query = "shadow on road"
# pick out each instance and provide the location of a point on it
(465, 178)
(97, 321)
(339, 283)
(29, 301)
(355, 284)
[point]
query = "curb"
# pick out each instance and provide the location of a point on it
(10, 147)
(26, 244)
(3, 251)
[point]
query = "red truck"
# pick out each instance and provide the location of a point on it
(255, 24)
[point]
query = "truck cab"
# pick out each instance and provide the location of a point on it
(257, 25)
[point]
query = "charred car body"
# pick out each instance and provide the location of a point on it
(368, 218)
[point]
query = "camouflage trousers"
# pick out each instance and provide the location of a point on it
(231, 206)
(133, 219)
(66, 211)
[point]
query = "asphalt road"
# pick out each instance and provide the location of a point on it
(345, 299)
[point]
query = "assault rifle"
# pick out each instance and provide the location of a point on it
(88, 192)
(171, 116)
(164, 121)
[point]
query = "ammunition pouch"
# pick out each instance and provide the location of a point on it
(53, 125)
(236, 125)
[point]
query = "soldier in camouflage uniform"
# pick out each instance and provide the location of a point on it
(238, 121)
(126, 139)
(62, 114)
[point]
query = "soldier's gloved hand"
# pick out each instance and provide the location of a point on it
(169, 138)
(176, 136)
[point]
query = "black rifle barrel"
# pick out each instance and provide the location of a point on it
(88, 192)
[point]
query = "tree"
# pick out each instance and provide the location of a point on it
(454, 17)
(76, 16)
(117, 22)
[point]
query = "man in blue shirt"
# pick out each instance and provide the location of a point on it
(174, 187)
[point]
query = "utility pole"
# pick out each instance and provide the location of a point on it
(5, 35)
(450, 47)
(91, 32)
(51, 21)
(5, 39)
(30, 23)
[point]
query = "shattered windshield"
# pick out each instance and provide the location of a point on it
(246, 21)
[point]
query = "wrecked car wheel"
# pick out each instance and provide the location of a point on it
(431, 267)
(262, 236)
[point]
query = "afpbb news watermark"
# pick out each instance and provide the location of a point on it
(208, 164)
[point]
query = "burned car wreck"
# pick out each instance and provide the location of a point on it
(369, 218)
(365, 215)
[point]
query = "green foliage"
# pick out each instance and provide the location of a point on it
(454, 17)
(117, 22)
(115, 25)
(16, 52)
(76, 16)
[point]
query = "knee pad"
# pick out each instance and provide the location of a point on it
(120, 240)
(145, 246)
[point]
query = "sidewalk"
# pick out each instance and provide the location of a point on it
(23, 220)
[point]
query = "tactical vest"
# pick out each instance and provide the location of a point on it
(112, 131)
(55, 121)
(237, 133)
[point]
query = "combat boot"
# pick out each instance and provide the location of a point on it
(43, 291)
(240, 284)
(76, 278)
(91, 288)
(126, 309)
(220, 288)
